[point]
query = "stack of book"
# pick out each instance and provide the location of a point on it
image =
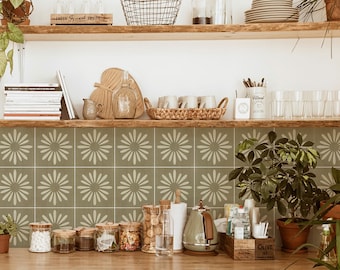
(36, 101)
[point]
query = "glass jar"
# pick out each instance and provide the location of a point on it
(202, 12)
(64, 241)
(40, 237)
(129, 237)
(151, 227)
(85, 238)
(107, 237)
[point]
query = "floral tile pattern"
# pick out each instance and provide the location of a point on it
(83, 176)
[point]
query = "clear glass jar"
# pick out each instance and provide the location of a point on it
(107, 237)
(129, 237)
(85, 238)
(151, 227)
(64, 241)
(202, 12)
(40, 237)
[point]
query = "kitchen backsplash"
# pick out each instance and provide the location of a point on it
(82, 176)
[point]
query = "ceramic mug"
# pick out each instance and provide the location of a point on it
(168, 102)
(188, 102)
(207, 102)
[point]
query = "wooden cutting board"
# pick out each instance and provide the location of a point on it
(110, 82)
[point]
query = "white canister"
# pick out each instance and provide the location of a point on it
(258, 102)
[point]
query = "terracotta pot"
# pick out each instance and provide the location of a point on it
(4, 243)
(290, 236)
(17, 16)
(333, 10)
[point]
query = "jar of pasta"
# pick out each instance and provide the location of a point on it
(107, 237)
(129, 237)
(151, 227)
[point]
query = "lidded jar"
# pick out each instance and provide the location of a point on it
(40, 237)
(85, 238)
(64, 241)
(151, 227)
(129, 237)
(107, 237)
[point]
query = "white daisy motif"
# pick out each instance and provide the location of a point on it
(23, 228)
(291, 135)
(172, 182)
(57, 220)
(134, 147)
(14, 187)
(94, 187)
(95, 147)
(90, 220)
(132, 217)
(55, 187)
(214, 187)
(15, 147)
(134, 187)
(214, 146)
(174, 147)
(329, 147)
(326, 182)
(55, 147)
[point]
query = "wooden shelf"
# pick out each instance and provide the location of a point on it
(182, 32)
(173, 123)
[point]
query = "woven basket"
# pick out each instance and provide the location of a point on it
(150, 12)
(186, 114)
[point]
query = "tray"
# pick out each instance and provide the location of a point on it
(186, 114)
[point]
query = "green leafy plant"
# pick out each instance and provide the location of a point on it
(278, 172)
(8, 226)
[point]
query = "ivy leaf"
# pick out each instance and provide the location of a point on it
(16, 3)
(3, 62)
(15, 34)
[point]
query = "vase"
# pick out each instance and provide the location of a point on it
(4, 243)
(17, 15)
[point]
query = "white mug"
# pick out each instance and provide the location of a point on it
(188, 102)
(207, 102)
(168, 102)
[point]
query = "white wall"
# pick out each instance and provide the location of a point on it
(182, 67)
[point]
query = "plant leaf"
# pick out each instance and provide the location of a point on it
(3, 62)
(16, 3)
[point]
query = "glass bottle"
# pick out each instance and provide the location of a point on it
(202, 12)
(164, 240)
(124, 100)
(40, 237)
(329, 257)
(64, 241)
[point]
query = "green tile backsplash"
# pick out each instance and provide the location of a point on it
(83, 176)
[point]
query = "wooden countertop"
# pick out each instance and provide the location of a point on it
(21, 258)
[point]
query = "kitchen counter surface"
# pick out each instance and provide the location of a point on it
(20, 258)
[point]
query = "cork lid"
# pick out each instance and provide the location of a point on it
(64, 233)
(85, 231)
(42, 225)
(107, 226)
(130, 225)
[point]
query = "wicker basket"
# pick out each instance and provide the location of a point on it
(150, 12)
(186, 114)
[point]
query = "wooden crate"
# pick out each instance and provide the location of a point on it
(248, 249)
(81, 19)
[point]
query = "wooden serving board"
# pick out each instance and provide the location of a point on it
(105, 90)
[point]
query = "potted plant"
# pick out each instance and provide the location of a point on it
(16, 11)
(278, 172)
(8, 228)
(308, 7)
(9, 35)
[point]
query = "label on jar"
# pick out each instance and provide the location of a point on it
(258, 102)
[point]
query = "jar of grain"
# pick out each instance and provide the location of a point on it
(85, 238)
(107, 237)
(40, 237)
(64, 241)
(129, 237)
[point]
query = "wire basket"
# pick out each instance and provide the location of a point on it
(150, 12)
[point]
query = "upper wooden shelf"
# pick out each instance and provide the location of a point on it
(173, 123)
(182, 32)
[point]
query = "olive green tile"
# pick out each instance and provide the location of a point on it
(94, 147)
(134, 146)
(55, 187)
(16, 187)
(213, 187)
(89, 217)
(129, 214)
(214, 147)
(58, 217)
(134, 186)
(174, 147)
(327, 142)
(94, 187)
(168, 180)
(17, 146)
(55, 146)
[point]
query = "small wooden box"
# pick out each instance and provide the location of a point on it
(248, 249)
(81, 19)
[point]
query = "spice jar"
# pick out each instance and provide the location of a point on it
(151, 227)
(40, 237)
(64, 241)
(107, 237)
(129, 237)
(85, 238)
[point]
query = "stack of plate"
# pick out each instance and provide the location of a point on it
(265, 11)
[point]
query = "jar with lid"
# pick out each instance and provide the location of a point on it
(107, 237)
(64, 241)
(40, 237)
(85, 238)
(129, 237)
(202, 11)
(151, 227)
